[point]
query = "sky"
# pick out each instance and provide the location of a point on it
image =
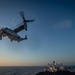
(50, 37)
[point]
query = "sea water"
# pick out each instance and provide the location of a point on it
(20, 70)
(23, 70)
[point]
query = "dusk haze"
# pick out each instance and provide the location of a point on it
(51, 37)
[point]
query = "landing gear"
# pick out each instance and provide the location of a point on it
(11, 40)
(26, 37)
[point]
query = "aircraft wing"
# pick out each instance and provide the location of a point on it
(19, 28)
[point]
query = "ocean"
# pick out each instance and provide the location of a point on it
(23, 70)
(20, 70)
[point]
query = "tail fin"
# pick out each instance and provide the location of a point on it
(25, 37)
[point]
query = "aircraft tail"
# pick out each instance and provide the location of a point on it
(24, 38)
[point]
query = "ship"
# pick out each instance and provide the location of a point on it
(57, 69)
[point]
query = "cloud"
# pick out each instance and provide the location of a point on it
(62, 25)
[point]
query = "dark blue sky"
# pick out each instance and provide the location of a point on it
(50, 37)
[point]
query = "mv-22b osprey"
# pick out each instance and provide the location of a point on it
(12, 34)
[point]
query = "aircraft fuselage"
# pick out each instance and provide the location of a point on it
(11, 34)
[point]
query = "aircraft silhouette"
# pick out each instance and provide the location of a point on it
(12, 34)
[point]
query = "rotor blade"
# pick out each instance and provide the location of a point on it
(22, 15)
(20, 24)
(24, 20)
(30, 20)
